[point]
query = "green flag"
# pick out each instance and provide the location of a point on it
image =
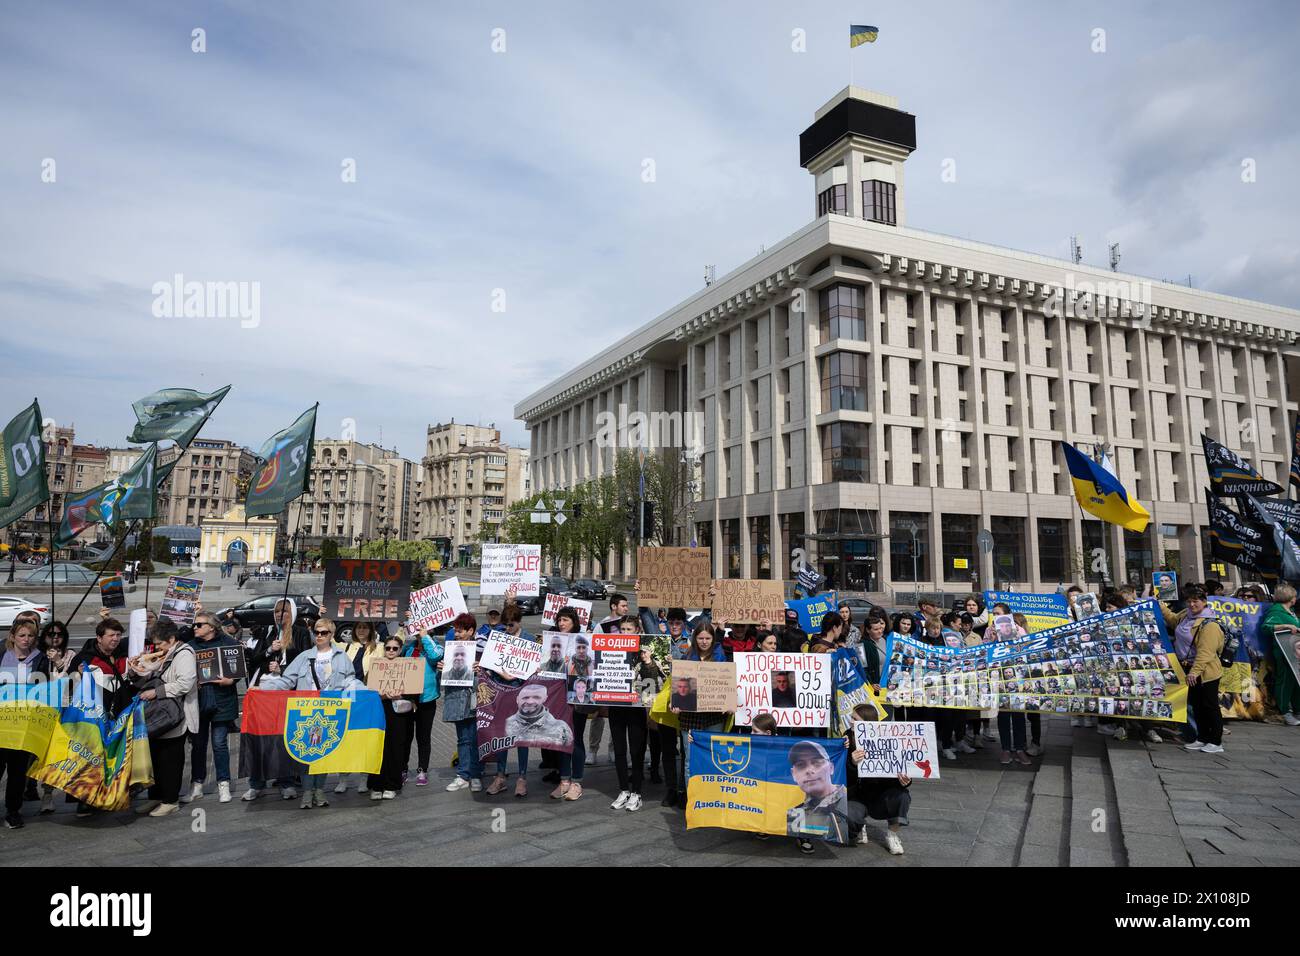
(285, 462)
(175, 413)
(22, 468)
(130, 495)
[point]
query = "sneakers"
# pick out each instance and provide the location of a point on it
(476, 785)
(421, 779)
(196, 793)
(1194, 745)
(863, 839)
(621, 801)
(669, 800)
(592, 756)
(1076, 721)
(288, 793)
(806, 847)
(949, 753)
(149, 806)
(14, 822)
(363, 788)
(1291, 720)
(377, 795)
(47, 801)
(318, 799)
(1211, 749)
(223, 791)
(560, 790)
(251, 794)
(390, 794)
(1024, 758)
(498, 785)
(163, 809)
(633, 803)
(574, 792)
(1034, 749)
(306, 800)
(894, 844)
(1121, 734)
(1106, 729)
(1154, 737)
(975, 742)
(341, 786)
(405, 774)
(1006, 757)
(989, 734)
(460, 783)
(964, 748)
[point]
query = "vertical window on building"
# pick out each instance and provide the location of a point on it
(1139, 555)
(792, 531)
(844, 451)
(1008, 547)
(959, 554)
(833, 200)
(1097, 557)
(878, 201)
(842, 313)
(844, 381)
(731, 546)
(909, 551)
(1051, 550)
(760, 539)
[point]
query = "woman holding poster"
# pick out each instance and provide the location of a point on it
(705, 646)
(423, 646)
(627, 725)
(399, 711)
(458, 707)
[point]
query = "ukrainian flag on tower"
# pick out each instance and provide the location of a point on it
(859, 35)
(1100, 494)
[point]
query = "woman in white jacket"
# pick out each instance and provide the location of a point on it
(323, 667)
(173, 663)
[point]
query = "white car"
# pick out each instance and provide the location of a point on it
(11, 607)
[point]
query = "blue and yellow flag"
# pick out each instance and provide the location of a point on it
(859, 35)
(793, 786)
(1100, 494)
(330, 731)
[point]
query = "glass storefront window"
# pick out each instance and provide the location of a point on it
(847, 550)
(792, 529)
(960, 557)
(909, 551)
(1052, 540)
(1138, 557)
(731, 547)
(1008, 548)
(760, 537)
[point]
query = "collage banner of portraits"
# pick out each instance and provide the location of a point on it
(792, 786)
(1116, 664)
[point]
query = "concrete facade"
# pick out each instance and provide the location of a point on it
(470, 479)
(861, 376)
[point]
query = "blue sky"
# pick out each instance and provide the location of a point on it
(521, 171)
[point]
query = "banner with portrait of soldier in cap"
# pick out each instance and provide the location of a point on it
(790, 786)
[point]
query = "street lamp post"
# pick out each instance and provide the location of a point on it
(13, 553)
(387, 530)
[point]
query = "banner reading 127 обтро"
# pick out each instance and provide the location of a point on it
(1110, 665)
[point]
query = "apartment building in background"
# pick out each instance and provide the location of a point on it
(470, 478)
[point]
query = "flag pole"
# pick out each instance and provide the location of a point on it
(129, 531)
(49, 508)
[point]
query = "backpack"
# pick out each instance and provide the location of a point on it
(1232, 640)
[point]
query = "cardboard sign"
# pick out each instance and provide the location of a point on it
(739, 601)
(507, 566)
(554, 602)
(708, 686)
(180, 600)
(613, 676)
(515, 657)
(892, 747)
(111, 593)
(794, 688)
(458, 664)
(215, 663)
(402, 674)
(673, 577)
(435, 605)
(366, 590)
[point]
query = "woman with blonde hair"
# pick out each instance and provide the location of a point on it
(364, 649)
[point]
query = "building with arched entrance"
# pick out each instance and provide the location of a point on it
(238, 539)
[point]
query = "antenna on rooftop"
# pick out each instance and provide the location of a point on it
(1114, 257)
(1076, 250)
(710, 275)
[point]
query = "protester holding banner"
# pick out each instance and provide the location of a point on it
(218, 712)
(880, 798)
(168, 673)
(1198, 641)
(279, 643)
(567, 621)
(399, 711)
(1281, 624)
(54, 645)
(325, 667)
(627, 729)
(362, 650)
(705, 646)
(459, 707)
(22, 663)
(423, 646)
(512, 619)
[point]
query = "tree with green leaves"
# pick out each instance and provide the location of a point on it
(329, 549)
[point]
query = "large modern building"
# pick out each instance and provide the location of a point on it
(470, 479)
(880, 395)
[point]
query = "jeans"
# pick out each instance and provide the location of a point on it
(521, 761)
(220, 733)
(467, 766)
(1035, 727)
(574, 765)
(1011, 730)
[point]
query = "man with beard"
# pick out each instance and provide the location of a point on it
(580, 662)
(532, 725)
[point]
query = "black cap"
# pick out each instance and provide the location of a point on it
(805, 749)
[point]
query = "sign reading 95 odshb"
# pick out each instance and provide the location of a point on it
(794, 688)
(507, 566)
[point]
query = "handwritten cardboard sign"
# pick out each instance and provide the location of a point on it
(794, 688)
(673, 577)
(510, 656)
(556, 601)
(435, 605)
(402, 674)
(739, 601)
(708, 686)
(891, 747)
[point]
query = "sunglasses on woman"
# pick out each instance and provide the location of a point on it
(322, 631)
(392, 647)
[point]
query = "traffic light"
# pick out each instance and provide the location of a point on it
(647, 519)
(577, 511)
(632, 522)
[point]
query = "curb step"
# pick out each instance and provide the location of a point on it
(1094, 827)
(1047, 829)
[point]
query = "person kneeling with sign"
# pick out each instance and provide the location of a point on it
(881, 798)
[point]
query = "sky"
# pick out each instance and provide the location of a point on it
(442, 207)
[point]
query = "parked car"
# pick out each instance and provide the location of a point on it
(258, 611)
(861, 608)
(589, 589)
(64, 573)
(555, 584)
(11, 607)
